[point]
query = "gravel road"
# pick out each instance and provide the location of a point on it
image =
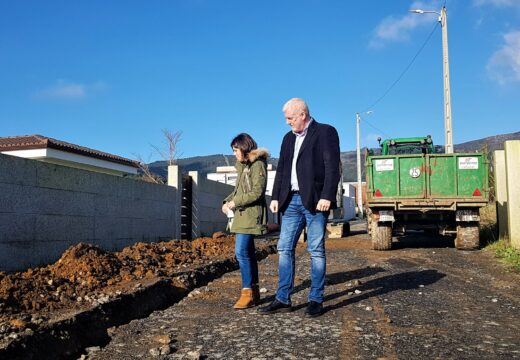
(422, 300)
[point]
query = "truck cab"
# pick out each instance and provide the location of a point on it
(413, 145)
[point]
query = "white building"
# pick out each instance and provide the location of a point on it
(59, 152)
(228, 175)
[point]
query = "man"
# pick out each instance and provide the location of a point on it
(304, 191)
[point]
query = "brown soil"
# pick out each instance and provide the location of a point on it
(86, 275)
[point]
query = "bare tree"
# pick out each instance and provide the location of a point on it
(226, 159)
(147, 175)
(170, 152)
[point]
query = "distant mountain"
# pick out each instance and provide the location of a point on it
(208, 164)
(492, 142)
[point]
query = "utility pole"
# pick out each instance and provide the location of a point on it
(443, 19)
(448, 130)
(359, 192)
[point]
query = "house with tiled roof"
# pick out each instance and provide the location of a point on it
(59, 152)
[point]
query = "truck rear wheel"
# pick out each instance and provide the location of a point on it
(381, 234)
(468, 237)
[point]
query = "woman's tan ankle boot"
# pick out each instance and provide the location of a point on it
(256, 293)
(246, 299)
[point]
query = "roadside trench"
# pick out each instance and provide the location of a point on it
(68, 337)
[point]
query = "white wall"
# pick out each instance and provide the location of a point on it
(512, 154)
(349, 201)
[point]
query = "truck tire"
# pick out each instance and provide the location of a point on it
(381, 234)
(468, 237)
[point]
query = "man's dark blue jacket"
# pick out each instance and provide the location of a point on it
(317, 167)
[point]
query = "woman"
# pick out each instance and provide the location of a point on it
(247, 202)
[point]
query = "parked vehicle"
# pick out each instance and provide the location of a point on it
(410, 187)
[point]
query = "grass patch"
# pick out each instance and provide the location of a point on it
(506, 253)
(500, 247)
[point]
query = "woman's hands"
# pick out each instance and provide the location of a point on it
(228, 206)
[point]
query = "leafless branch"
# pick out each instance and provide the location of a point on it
(226, 159)
(170, 151)
(147, 175)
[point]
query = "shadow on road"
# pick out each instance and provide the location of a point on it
(383, 285)
(331, 279)
(375, 287)
(422, 240)
(357, 232)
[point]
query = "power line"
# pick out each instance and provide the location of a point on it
(405, 70)
(372, 126)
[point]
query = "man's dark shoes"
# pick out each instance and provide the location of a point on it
(275, 307)
(314, 309)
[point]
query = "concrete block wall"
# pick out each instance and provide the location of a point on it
(500, 173)
(207, 200)
(207, 197)
(46, 208)
(512, 154)
(507, 191)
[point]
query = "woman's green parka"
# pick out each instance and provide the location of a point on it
(249, 195)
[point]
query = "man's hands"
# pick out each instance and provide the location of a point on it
(323, 205)
(274, 206)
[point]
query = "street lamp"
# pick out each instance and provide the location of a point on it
(448, 131)
(359, 187)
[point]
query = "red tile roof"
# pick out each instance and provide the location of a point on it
(26, 142)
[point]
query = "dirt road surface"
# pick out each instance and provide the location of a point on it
(423, 300)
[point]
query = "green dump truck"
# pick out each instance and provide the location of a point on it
(410, 187)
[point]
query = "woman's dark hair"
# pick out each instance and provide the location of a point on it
(244, 142)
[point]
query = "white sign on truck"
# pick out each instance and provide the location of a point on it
(384, 164)
(467, 163)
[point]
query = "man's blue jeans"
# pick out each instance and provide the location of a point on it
(294, 219)
(246, 256)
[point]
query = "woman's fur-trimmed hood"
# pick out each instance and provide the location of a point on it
(256, 154)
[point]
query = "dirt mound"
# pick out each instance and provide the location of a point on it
(81, 269)
(155, 259)
(87, 265)
(86, 274)
(216, 246)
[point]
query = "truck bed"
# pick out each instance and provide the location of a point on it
(427, 181)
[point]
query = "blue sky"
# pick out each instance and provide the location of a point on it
(111, 74)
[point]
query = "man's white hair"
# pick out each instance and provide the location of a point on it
(296, 104)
